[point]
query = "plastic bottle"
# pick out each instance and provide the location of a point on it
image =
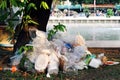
(12, 69)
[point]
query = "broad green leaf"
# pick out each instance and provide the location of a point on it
(31, 5)
(44, 5)
(27, 17)
(3, 4)
(61, 29)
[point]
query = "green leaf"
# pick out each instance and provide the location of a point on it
(56, 28)
(19, 12)
(44, 5)
(28, 17)
(3, 4)
(31, 21)
(31, 5)
(14, 2)
(4, 16)
(61, 29)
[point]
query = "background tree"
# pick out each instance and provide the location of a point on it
(35, 12)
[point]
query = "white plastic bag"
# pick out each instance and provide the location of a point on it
(95, 63)
(41, 62)
(53, 66)
(79, 52)
(15, 60)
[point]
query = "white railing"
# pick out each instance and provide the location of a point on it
(104, 33)
(84, 20)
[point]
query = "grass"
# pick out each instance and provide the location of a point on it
(102, 73)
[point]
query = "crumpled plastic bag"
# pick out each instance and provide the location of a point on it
(15, 60)
(40, 39)
(79, 52)
(75, 40)
(40, 45)
(53, 66)
(41, 62)
(81, 65)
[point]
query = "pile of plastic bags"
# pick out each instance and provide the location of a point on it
(66, 52)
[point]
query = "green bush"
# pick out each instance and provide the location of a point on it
(110, 13)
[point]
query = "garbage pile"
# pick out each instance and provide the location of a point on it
(64, 52)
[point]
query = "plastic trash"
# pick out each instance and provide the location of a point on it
(95, 63)
(88, 58)
(53, 66)
(41, 63)
(100, 56)
(15, 60)
(48, 75)
(81, 65)
(79, 52)
(12, 69)
(111, 63)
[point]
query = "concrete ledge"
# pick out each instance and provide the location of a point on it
(107, 44)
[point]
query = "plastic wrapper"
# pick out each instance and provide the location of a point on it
(95, 63)
(75, 58)
(63, 60)
(41, 62)
(53, 66)
(31, 56)
(29, 66)
(79, 41)
(79, 52)
(69, 39)
(15, 60)
(40, 40)
(75, 40)
(58, 44)
(81, 65)
(40, 46)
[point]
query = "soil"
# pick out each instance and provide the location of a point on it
(102, 73)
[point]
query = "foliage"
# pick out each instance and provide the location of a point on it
(44, 5)
(86, 10)
(102, 73)
(24, 10)
(24, 48)
(52, 32)
(97, 1)
(22, 61)
(110, 12)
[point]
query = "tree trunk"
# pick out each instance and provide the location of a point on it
(41, 15)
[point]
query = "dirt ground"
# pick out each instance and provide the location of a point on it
(111, 72)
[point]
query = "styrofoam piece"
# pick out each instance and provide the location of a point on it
(41, 62)
(95, 63)
(53, 66)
